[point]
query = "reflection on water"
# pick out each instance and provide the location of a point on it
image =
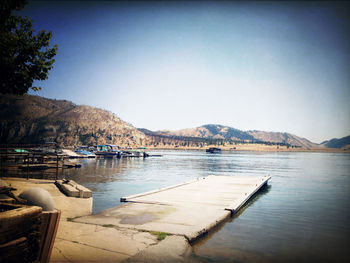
(302, 216)
(202, 241)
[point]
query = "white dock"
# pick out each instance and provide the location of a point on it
(190, 209)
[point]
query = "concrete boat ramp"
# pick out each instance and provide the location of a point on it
(190, 209)
(127, 233)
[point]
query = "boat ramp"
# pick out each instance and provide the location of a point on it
(190, 209)
(183, 213)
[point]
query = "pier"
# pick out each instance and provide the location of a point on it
(134, 231)
(190, 209)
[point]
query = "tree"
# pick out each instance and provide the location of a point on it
(24, 55)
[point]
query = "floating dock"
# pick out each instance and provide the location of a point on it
(190, 209)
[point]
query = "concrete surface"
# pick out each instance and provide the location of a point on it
(80, 242)
(69, 206)
(189, 210)
(72, 189)
(172, 249)
(125, 233)
(77, 242)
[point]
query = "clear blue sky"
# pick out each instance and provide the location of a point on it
(273, 66)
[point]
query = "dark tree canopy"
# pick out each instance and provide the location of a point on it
(24, 55)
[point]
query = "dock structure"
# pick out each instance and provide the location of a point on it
(190, 209)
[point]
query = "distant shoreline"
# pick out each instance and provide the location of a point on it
(253, 148)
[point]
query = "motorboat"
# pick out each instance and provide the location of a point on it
(84, 152)
(213, 150)
(108, 151)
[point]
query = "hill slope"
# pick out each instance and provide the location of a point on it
(216, 131)
(33, 119)
(283, 137)
(338, 143)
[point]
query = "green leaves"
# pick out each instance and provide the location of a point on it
(24, 55)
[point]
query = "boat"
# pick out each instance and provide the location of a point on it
(213, 150)
(107, 151)
(71, 165)
(83, 151)
(134, 153)
(70, 154)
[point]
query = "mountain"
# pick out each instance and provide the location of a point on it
(337, 143)
(215, 131)
(282, 137)
(33, 119)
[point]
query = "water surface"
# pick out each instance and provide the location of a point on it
(302, 216)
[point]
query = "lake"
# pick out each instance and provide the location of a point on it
(303, 214)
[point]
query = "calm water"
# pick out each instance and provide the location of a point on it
(302, 216)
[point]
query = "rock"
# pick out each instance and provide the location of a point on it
(38, 197)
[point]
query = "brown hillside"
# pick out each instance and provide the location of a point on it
(33, 119)
(283, 137)
(215, 131)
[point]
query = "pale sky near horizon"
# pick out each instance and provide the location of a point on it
(272, 66)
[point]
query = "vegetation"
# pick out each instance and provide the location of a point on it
(184, 141)
(24, 55)
(338, 143)
(160, 235)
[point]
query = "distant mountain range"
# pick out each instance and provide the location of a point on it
(33, 119)
(216, 131)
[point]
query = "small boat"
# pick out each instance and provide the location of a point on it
(134, 153)
(107, 151)
(70, 154)
(213, 150)
(83, 151)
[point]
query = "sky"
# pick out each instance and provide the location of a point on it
(272, 66)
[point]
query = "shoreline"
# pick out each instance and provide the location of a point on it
(254, 148)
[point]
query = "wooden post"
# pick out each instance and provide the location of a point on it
(28, 166)
(56, 166)
(1, 163)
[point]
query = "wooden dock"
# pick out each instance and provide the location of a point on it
(190, 209)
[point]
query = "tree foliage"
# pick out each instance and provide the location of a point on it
(24, 55)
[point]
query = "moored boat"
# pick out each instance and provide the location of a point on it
(108, 151)
(213, 150)
(83, 151)
(134, 153)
